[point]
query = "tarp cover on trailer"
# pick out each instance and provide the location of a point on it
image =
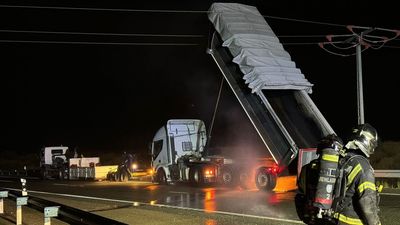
(256, 49)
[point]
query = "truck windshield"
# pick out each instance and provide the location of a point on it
(57, 152)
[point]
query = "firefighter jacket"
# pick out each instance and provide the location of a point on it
(359, 205)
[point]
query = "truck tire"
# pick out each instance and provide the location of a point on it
(43, 173)
(161, 177)
(196, 176)
(61, 175)
(123, 176)
(113, 176)
(228, 177)
(265, 181)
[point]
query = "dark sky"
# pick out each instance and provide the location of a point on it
(114, 97)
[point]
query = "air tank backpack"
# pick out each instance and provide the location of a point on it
(325, 187)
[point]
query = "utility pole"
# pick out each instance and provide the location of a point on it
(361, 40)
(360, 92)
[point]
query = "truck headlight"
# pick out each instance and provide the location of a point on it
(134, 166)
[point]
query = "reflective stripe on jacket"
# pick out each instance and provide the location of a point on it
(359, 206)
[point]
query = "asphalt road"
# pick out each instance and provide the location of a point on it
(248, 205)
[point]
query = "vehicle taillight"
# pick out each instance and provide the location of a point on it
(209, 172)
(273, 170)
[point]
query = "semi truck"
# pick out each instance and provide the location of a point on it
(54, 162)
(179, 155)
(272, 91)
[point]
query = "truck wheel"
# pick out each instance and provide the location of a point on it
(264, 180)
(161, 177)
(228, 177)
(61, 175)
(273, 179)
(196, 176)
(123, 176)
(115, 176)
(43, 173)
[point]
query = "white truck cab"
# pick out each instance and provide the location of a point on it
(49, 154)
(178, 139)
(54, 162)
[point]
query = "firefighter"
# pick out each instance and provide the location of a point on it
(359, 205)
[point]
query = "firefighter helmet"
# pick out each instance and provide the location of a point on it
(365, 137)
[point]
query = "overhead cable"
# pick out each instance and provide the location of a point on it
(160, 11)
(140, 34)
(98, 43)
(103, 34)
(103, 9)
(159, 44)
(305, 21)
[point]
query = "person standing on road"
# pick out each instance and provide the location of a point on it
(356, 197)
(359, 206)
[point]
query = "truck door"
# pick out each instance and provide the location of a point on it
(159, 153)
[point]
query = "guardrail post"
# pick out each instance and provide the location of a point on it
(24, 189)
(20, 202)
(49, 212)
(3, 194)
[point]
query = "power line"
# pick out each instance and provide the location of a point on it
(161, 11)
(173, 35)
(104, 9)
(305, 21)
(104, 34)
(161, 44)
(302, 36)
(140, 34)
(98, 43)
(302, 43)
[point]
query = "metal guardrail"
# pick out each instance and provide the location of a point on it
(387, 173)
(67, 214)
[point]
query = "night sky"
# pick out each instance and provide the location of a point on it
(114, 97)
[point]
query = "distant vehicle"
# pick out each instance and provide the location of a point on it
(54, 162)
(130, 168)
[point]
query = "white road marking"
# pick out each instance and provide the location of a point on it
(68, 185)
(135, 203)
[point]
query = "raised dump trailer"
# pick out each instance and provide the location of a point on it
(272, 91)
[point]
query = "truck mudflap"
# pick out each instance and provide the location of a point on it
(285, 120)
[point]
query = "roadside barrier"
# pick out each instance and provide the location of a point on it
(51, 209)
(388, 178)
